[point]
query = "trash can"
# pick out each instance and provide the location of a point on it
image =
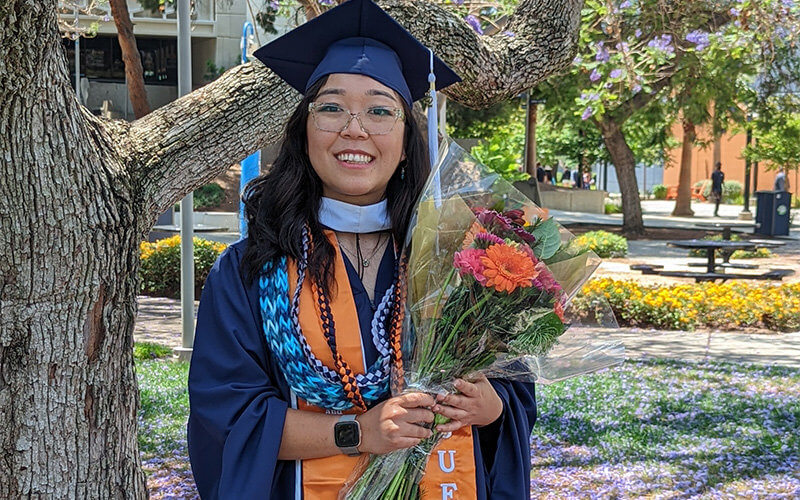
(772, 212)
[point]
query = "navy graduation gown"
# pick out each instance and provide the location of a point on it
(239, 397)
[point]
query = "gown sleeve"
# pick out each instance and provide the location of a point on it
(237, 407)
(502, 449)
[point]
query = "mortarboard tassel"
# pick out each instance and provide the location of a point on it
(433, 137)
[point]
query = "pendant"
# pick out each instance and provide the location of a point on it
(365, 263)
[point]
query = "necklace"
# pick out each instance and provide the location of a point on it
(362, 261)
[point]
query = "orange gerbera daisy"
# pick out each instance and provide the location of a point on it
(507, 268)
(470, 236)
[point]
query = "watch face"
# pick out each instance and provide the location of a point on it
(346, 434)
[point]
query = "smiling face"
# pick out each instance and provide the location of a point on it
(354, 166)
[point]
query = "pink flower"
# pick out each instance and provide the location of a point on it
(487, 239)
(468, 261)
(545, 280)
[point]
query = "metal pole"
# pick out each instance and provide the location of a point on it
(746, 214)
(187, 212)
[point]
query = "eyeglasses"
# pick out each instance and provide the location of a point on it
(377, 120)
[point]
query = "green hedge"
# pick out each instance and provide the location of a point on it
(160, 269)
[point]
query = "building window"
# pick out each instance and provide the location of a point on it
(101, 59)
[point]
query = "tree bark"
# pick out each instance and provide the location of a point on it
(68, 260)
(78, 194)
(683, 202)
(130, 56)
(625, 166)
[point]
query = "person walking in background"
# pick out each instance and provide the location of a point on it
(539, 173)
(577, 178)
(717, 178)
(781, 181)
(548, 175)
(566, 177)
(587, 179)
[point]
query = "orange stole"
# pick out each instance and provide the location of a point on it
(450, 473)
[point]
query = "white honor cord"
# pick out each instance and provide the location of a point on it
(433, 138)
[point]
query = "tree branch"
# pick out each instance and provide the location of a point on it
(179, 147)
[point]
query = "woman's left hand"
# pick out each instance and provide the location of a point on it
(477, 404)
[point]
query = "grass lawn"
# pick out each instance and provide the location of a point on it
(660, 429)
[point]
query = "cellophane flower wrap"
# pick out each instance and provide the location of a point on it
(490, 280)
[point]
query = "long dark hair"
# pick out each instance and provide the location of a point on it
(280, 202)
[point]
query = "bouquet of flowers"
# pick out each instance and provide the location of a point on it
(490, 278)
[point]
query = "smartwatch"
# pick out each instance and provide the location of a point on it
(347, 435)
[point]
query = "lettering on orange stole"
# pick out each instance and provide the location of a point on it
(450, 472)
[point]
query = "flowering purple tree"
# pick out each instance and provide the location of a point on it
(681, 56)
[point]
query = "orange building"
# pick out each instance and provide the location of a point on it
(727, 150)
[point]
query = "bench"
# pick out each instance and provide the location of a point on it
(647, 268)
(725, 265)
(767, 243)
(672, 192)
(774, 274)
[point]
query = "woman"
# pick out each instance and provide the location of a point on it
(297, 324)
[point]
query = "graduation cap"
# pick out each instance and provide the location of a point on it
(356, 37)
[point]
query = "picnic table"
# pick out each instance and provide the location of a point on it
(711, 247)
(725, 247)
(726, 226)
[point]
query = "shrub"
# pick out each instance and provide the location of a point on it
(149, 350)
(612, 208)
(603, 243)
(160, 270)
(730, 305)
(208, 196)
(660, 192)
(759, 253)
(731, 191)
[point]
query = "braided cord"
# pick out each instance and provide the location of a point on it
(398, 317)
(308, 376)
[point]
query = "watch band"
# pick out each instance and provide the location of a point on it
(351, 451)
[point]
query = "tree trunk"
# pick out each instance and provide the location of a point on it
(625, 166)
(77, 195)
(130, 56)
(683, 203)
(68, 261)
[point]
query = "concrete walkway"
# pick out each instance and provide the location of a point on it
(159, 321)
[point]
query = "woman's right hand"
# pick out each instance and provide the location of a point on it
(393, 424)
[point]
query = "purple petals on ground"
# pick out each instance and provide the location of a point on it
(668, 429)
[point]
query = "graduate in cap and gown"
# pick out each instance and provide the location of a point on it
(298, 325)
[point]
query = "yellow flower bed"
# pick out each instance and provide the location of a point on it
(731, 305)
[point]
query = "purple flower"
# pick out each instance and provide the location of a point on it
(662, 43)
(636, 88)
(587, 113)
(622, 47)
(615, 73)
(476, 25)
(577, 60)
(594, 96)
(509, 34)
(458, 2)
(106, 18)
(274, 5)
(637, 33)
(625, 4)
(734, 12)
(699, 38)
(602, 53)
(595, 75)
(788, 3)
